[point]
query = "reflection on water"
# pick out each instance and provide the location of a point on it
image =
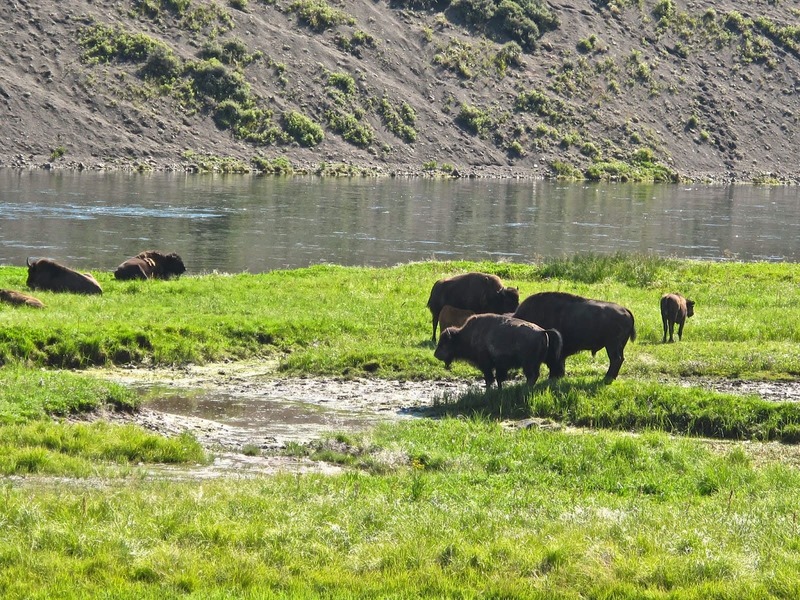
(251, 223)
(274, 417)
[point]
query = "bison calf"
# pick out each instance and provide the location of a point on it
(19, 299)
(584, 324)
(497, 343)
(450, 316)
(476, 292)
(675, 309)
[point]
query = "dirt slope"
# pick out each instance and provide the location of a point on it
(708, 89)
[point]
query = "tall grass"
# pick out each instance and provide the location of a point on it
(464, 509)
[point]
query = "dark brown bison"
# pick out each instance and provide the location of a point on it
(497, 343)
(151, 264)
(47, 274)
(584, 324)
(450, 316)
(478, 292)
(675, 309)
(20, 299)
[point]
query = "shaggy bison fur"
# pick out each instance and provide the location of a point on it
(497, 343)
(675, 309)
(151, 264)
(477, 292)
(47, 274)
(19, 299)
(584, 324)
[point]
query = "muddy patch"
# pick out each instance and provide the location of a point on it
(245, 415)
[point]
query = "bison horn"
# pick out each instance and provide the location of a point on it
(28, 261)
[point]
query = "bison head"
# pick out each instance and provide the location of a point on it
(689, 308)
(508, 300)
(447, 346)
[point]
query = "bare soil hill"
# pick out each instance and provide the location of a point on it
(609, 89)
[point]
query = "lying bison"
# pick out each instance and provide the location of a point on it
(151, 264)
(584, 325)
(477, 292)
(675, 309)
(450, 316)
(19, 299)
(47, 274)
(496, 343)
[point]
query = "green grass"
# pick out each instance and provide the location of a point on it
(463, 509)
(455, 507)
(335, 320)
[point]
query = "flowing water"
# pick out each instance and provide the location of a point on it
(93, 221)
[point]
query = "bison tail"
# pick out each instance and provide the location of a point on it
(633, 328)
(555, 345)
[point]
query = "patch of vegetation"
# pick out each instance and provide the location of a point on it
(210, 163)
(641, 166)
(275, 166)
(232, 52)
(356, 42)
(521, 21)
(475, 119)
(302, 129)
(319, 15)
(399, 120)
(57, 152)
(104, 43)
(457, 56)
(566, 171)
(538, 103)
(352, 130)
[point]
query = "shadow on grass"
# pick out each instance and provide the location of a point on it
(633, 406)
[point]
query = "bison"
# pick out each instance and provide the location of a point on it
(450, 316)
(496, 343)
(20, 299)
(47, 274)
(477, 292)
(151, 264)
(675, 309)
(584, 324)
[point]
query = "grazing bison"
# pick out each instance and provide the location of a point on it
(496, 343)
(450, 316)
(478, 292)
(47, 274)
(151, 264)
(20, 299)
(584, 325)
(675, 309)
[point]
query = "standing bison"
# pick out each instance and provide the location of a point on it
(477, 292)
(496, 343)
(584, 325)
(47, 274)
(675, 309)
(151, 264)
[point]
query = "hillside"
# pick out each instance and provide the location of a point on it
(699, 89)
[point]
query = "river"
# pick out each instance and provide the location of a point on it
(235, 223)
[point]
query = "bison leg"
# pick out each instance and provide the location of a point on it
(664, 323)
(616, 357)
(435, 325)
(488, 378)
(680, 330)
(557, 368)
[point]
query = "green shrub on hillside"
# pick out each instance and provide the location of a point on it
(302, 129)
(319, 15)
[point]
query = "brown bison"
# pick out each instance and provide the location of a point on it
(47, 274)
(675, 309)
(20, 299)
(478, 292)
(584, 324)
(450, 316)
(496, 343)
(151, 264)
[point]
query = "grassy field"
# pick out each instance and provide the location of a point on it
(455, 507)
